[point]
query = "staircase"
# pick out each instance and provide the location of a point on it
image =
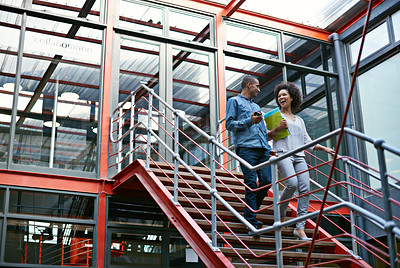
(234, 243)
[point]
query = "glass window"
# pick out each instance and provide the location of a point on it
(314, 82)
(52, 205)
(135, 212)
(396, 25)
(374, 40)
(144, 250)
(189, 26)
(303, 51)
(48, 243)
(191, 95)
(139, 63)
(58, 102)
(8, 56)
(141, 17)
(379, 94)
(254, 41)
(74, 8)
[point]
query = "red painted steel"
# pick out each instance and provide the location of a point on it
(189, 229)
(105, 116)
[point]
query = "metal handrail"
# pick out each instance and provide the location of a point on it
(387, 226)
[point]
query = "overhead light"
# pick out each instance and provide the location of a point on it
(10, 86)
(70, 96)
(50, 124)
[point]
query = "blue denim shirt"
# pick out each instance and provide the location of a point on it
(238, 120)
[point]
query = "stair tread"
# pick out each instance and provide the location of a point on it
(288, 254)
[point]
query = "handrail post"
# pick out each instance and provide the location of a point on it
(176, 151)
(389, 224)
(150, 113)
(132, 130)
(351, 200)
(120, 123)
(212, 192)
(277, 216)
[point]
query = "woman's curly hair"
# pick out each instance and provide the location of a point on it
(293, 91)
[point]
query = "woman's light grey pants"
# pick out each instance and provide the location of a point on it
(288, 167)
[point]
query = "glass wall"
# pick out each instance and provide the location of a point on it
(51, 87)
(47, 228)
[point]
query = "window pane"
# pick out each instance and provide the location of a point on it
(135, 212)
(2, 191)
(314, 82)
(71, 8)
(189, 27)
(374, 40)
(304, 52)
(145, 18)
(62, 75)
(142, 250)
(379, 89)
(396, 25)
(53, 205)
(48, 243)
(254, 41)
(8, 56)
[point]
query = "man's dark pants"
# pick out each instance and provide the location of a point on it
(254, 156)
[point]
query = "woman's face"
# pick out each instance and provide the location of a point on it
(284, 99)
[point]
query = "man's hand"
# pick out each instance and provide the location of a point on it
(273, 153)
(256, 117)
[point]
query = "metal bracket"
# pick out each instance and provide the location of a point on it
(213, 248)
(354, 255)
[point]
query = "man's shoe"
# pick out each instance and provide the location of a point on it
(250, 233)
(259, 224)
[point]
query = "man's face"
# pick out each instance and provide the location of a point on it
(254, 88)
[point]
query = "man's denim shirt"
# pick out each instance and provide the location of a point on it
(238, 120)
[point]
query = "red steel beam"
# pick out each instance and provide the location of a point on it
(232, 6)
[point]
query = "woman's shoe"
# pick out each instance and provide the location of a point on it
(296, 234)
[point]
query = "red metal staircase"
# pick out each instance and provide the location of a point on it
(192, 218)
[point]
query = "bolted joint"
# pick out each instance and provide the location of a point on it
(176, 156)
(213, 192)
(378, 143)
(389, 225)
(211, 139)
(277, 226)
(272, 159)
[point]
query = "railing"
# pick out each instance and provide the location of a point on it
(385, 224)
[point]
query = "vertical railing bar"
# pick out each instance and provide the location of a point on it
(351, 200)
(150, 113)
(277, 216)
(132, 129)
(176, 150)
(389, 224)
(212, 192)
(120, 122)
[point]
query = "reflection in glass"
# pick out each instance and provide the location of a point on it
(8, 56)
(48, 243)
(145, 18)
(144, 250)
(303, 51)
(191, 95)
(374, 40)
(189, 27)
(254, 41)
(75, 8)
(139, 63)
(379, 95)
(314, 82)
(52, 205)
(135, 212)
(61, 89)
(396, 25)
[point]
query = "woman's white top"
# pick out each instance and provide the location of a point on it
(297, 137)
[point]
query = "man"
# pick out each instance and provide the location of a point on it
(245, 120)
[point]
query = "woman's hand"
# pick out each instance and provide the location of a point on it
(282, 125)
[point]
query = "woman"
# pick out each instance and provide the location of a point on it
(289, 98)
